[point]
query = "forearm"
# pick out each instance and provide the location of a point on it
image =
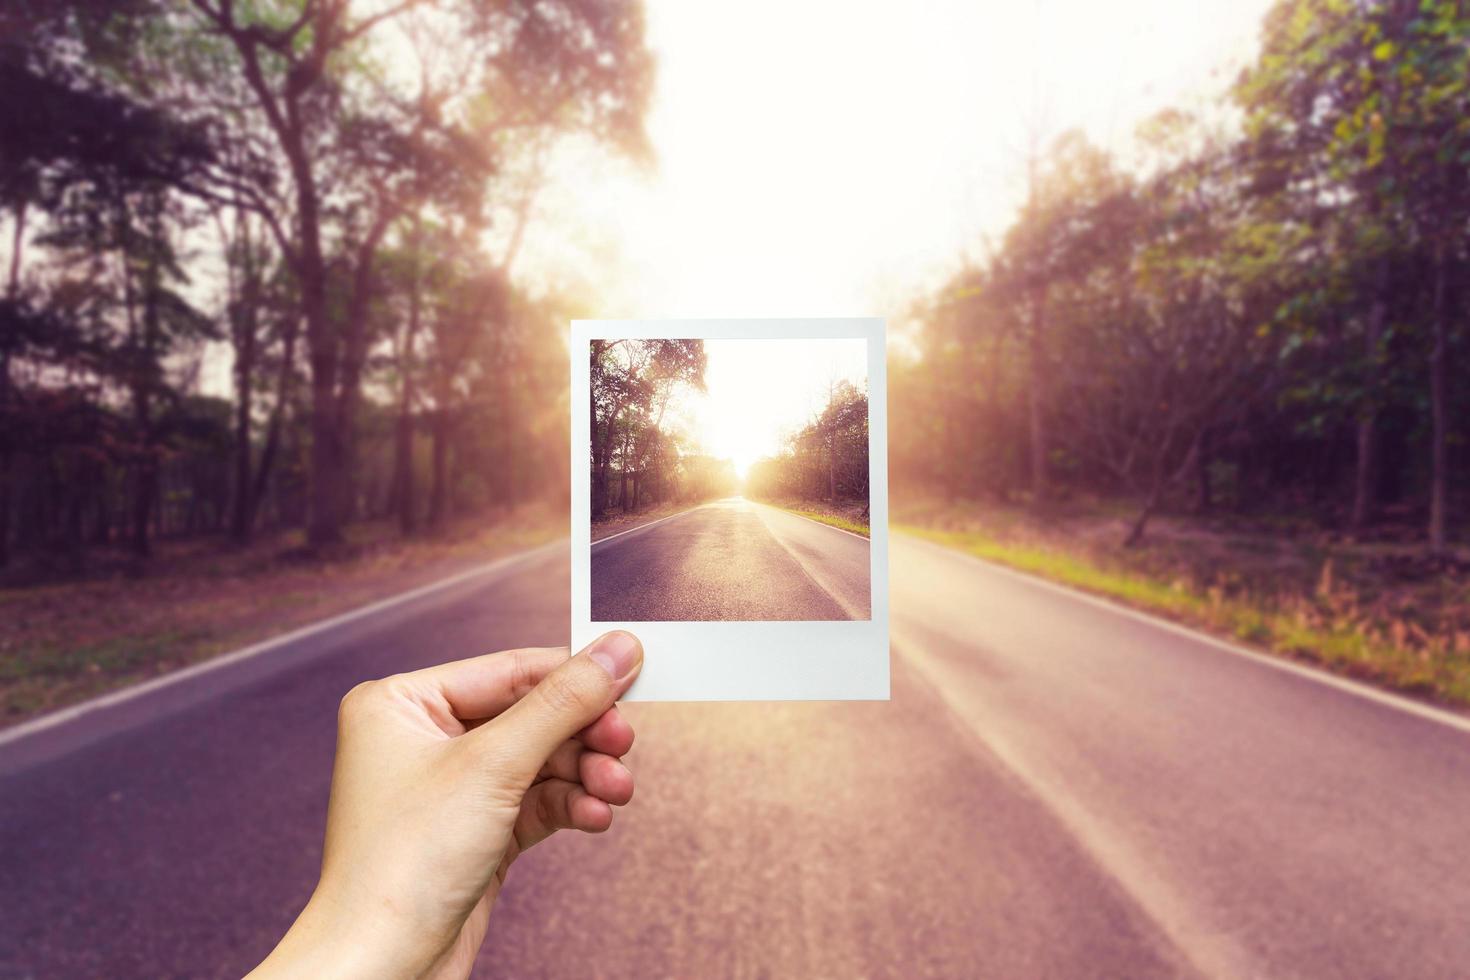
(327, 941)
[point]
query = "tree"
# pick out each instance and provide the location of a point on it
(1357, 108)
(826, 459)
(626, 376)
(122, 217)
(107, 168)
(571, 64)
(1045, 249)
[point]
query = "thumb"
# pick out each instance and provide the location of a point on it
(566, 701)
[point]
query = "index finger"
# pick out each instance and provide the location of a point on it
(484, 686)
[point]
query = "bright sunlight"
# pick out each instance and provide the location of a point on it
(758, 392)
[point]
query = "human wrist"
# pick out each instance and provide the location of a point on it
(333, 938)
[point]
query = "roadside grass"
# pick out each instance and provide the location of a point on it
(847, 517)
(67, 641)
(1407, 635)
(617, 523)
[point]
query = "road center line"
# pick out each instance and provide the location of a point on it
(1207, 949)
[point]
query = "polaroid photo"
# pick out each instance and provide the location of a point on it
(730, 504)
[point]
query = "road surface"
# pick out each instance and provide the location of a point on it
(1056, 789)
(730, 560)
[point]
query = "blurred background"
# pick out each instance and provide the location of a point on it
(1176, 298)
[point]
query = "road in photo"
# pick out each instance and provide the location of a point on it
(1056, 789)
(732, 559)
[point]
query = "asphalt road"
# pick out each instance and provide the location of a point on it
(733, 559)
(1056, 789)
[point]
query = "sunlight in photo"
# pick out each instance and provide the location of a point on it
(758, 392)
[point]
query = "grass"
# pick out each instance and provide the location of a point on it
(848, 517)
(198, 599)
(1408, 635)
(835, 520)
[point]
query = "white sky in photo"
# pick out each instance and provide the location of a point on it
(838, 158)
(833, 158)
(760, 391)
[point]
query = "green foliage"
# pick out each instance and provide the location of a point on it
(835, 520)
(632, 382)
(1343, 644)
(355, 164)
(1254, 296)
(826, 459)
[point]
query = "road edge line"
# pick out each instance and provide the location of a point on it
(640, 527)
(852, 613)
(830, 527)
(62, 716)
(1321, 675)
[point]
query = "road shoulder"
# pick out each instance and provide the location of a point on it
(59, 732)
(611, 528)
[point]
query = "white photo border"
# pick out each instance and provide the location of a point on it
(744, 661)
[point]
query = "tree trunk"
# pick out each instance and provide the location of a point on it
(145, 493)
(141, 336)
(331, 417)
(599, 478)
(75, 499)
(326, 456)
(832, 465)
(354, 357)
(1205, 500)
(240, 523)
(245, 328)
(403, 488)
(1365, 477)
(403, 485)
(1035, 399)
(1439, 413)
(1140, 523)
(438, 493)
(1162, 480)
(17, 245)
(5, 460)
(102, 533)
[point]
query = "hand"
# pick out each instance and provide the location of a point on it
(443, 777)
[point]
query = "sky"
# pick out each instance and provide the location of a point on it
(759, 391)
(838, 158)
(834, 158)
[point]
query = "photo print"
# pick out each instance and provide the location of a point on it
(730, 504)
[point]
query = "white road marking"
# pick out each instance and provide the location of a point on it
(815, 573)
(65, 715)
(830, 527)
(1355, 688)
(1210, 950)
(644, 527)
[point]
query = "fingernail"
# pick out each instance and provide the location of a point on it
(616, 653)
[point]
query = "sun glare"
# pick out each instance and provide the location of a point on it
(758, 392)
(835, 191)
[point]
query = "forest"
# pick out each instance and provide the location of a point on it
(323, 200)
(645, 453)
(1259, 308)
(260, 276)
(824, 460)
(637, 456)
